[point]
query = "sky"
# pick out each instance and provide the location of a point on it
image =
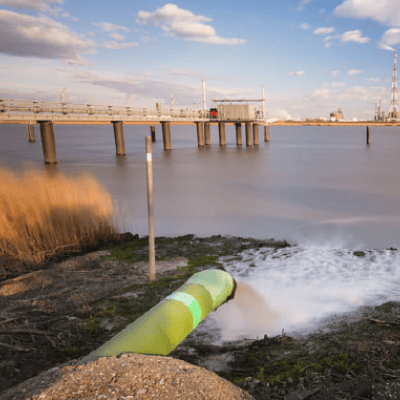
(312, 56)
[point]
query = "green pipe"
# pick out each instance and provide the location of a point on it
(163, 327)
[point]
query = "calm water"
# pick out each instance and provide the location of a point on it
(321, 188)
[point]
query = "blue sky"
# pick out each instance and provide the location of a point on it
(312, 56)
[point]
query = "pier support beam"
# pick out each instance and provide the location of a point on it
(368, 135)
(207, 135)
(255, 134)
(48, 142)
(238, 133)
(153, 133)
(266, 133)
(249, 139)
(31, 133)
(119, 138)
(166, 132)
(221, 129)
(200, 135)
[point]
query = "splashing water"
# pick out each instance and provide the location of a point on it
(297, 288)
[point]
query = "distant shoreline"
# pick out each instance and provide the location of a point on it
(328, 123)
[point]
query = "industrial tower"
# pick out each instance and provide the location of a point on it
(393, 114)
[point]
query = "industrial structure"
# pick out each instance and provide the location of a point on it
(393, 114)
(379, 114)
(240, 111)
(336, 116)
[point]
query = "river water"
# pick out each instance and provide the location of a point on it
(320, 188)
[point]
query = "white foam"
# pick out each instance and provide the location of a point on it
(296, 288)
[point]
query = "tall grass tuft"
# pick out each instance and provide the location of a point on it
(43, 215)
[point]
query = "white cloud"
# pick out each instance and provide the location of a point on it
(25, 35)
(373, 80)
(41, 5)
(353, 72)
(177, 22)
(390, 38)
(298, 73)
(117, 36)
(114, 45)
(383, 11)
(302, 4)
(335, 72)
(323, 31)
(109, 27)
(349, 95)
(304, 26)
(354, 36)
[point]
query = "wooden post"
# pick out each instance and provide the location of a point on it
(221, 129)
(255, 134)
(166, 135)
(31, 133)
(200, 135)
(119, 137)
(153, 133)
(249, 141)
(48, 142)
(368, 135)
(149, 169)
(266, 133)
(239, 133)
(207, 135)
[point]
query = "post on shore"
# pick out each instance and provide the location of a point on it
(221, 130)
(31, 133)
(48, 142)
(153, 133)
(207, 135)
(255, 134)
(119, 137)
(166, 131)
(266, 133)
(200, 136)
(238, 133)
(149, 169)
(249, 141)
(368, 135)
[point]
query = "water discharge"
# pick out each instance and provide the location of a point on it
(299, 288)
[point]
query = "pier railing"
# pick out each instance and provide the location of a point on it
(28, 110)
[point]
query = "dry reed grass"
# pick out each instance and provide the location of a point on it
(43, 215)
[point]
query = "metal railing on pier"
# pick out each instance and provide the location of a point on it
(35, 110)
(28, 110)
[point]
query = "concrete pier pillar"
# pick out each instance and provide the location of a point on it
(238, 133)
(31, 133)
(153, 133)
(166, 131)
(221, 129)
(249, 139)
(368, 135)
(255, 134)
(48, 142)
(266, 133)
(119, 137)
(200, 135)
(207, 135)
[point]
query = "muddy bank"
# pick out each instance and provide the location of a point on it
(71, 307)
